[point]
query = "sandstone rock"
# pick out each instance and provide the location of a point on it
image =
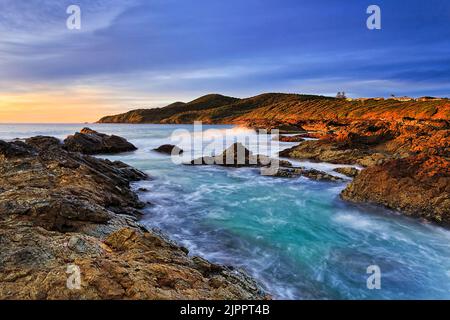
(268, 127)
(348, 171)
(296, 138)
(308, 173)
(92, 142)
(288, 128)
(15, 149)
(62, 211)
(418, 186)
(407, 163)
(43, 142)
(237, 155)
(169, 149)
(363, 134)
(325, 151)
(369, 143)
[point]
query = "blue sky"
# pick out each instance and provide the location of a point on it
(145, 53)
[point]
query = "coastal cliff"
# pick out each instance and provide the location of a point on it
(63, 211)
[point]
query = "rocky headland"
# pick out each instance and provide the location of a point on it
(63, 211)
(287, 112)
(406, 164)
(402, 147)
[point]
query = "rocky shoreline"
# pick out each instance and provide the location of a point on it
(403, 146)
(406, 164)
(238, 156)
(61, 208)
(62, 212)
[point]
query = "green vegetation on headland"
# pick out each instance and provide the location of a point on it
(284, 108)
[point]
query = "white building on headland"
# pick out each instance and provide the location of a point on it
(401, 98)
(421, 99)
(429, 99)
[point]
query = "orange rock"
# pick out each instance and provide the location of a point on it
(418, 186)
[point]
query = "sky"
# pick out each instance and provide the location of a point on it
(148, 53)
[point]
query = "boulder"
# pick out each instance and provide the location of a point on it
(169, 149)
(418, 186)
(15, 149)
(237, 155)
(88, 141)
(43, 142)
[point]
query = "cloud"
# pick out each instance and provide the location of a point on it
(168, 48)
(38, 21)
(71, 104)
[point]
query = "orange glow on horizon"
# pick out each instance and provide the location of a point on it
(76, 105)
(49, 107)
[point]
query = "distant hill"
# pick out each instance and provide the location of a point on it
(273, 108)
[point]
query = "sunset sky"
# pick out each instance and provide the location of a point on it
(148, 53)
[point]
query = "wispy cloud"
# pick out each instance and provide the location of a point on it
(134, 53)
(40, 21)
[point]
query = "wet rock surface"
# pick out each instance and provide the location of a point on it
(406, 163)
(92, 142)
(333, 152)
(169, 149)
(308, 173)
(418, 186)
(237, 155)
(294, 138)
(347, 171)
(62, 211)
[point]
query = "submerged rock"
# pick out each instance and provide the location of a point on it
(92, 142)
(64, 213)
(169, 149)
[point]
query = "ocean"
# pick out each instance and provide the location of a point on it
(296, 237)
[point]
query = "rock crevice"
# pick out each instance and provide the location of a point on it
(62, 212)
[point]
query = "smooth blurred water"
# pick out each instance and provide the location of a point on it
(295, 236)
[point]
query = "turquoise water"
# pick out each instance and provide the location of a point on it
(296, 236)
